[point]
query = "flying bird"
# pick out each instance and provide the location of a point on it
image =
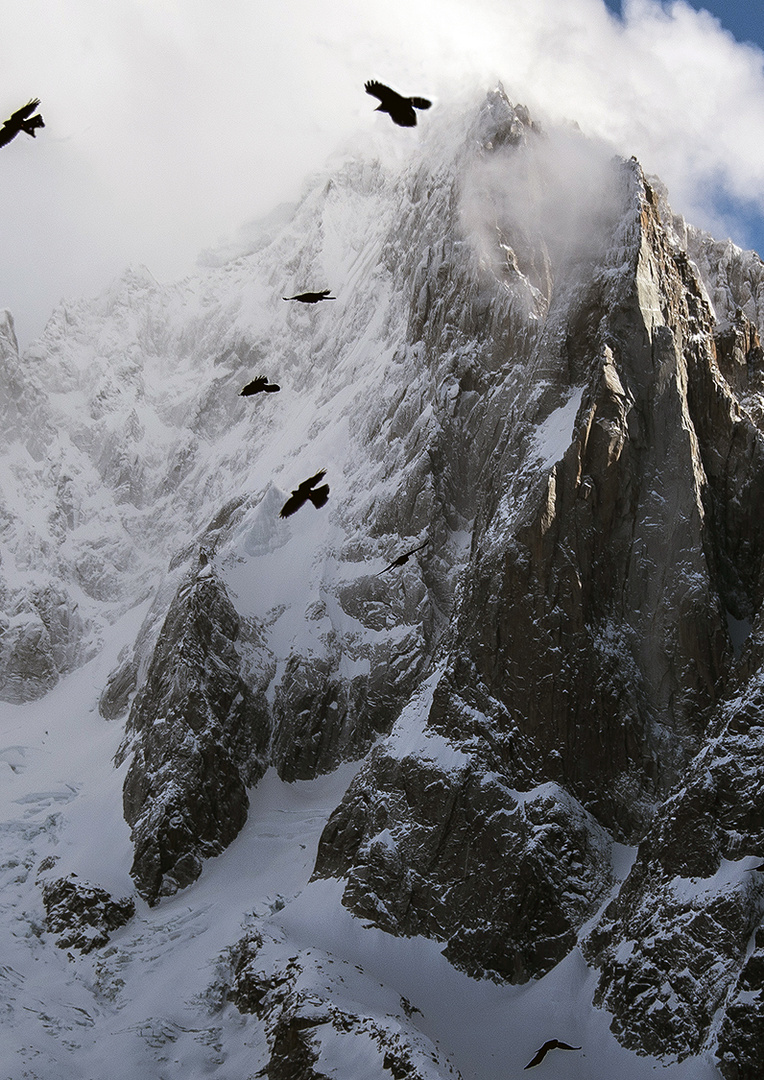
(311, 297)
(401, 109)
(21, 120)
(259, 385)
(307, 490)
(403, 558)
(551, 1044)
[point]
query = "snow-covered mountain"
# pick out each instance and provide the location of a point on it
(269, 810)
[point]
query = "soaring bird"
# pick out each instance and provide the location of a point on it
(311, 297)
(551, 1044)
(19, 122)
(403, 558)
(306, 490)
(258, 385)
(401, 108)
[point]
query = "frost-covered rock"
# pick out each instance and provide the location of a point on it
(433, 841)
(314, 1024)
(675, 946)
(201, 732)
(83, 915)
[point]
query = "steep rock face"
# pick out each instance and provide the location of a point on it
(41, 628)
(593, 642)
(605, 658)
(201, 734)
(678, 949)
(349, 646)
(433, 841)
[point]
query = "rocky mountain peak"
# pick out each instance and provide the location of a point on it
(527, 618)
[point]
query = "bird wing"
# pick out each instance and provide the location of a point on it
(420, 102)
(541, 1053)
(293, 504)
(255, 386)
(382, 92)
(7, 132)
(403, 558)
(550, 1044)
(23, 113)
(311, 482)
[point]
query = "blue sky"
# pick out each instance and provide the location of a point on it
(744, 19)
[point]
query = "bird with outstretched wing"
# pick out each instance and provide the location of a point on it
(550, 1044)
(306, 491)
(400, 108)
(403, 558)
(21, 120)
(258, 386)
(311, 297)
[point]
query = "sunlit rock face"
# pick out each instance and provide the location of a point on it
(590, 643)
(539, 376)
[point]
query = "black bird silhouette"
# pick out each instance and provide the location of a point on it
(550, 1044)
(311, 297)
(258, 385)
(403, 558)
(401, 109)
(307, 490)
(19, 122)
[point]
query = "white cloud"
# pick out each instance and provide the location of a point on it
(171, 122)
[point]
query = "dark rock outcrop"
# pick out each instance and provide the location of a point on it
(201, 734)
(83, 915)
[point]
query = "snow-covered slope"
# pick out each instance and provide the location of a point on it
(328, 819)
